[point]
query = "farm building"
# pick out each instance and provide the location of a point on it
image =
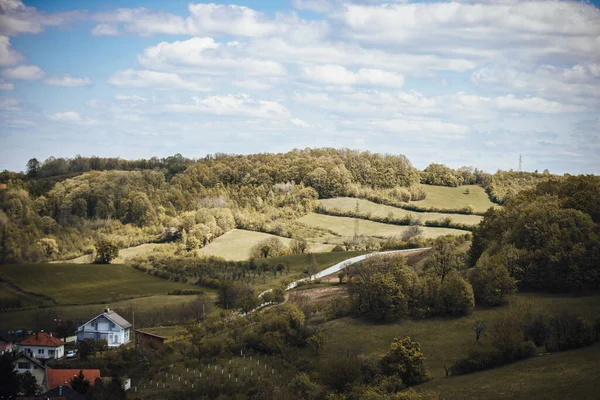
(43, 346)
(146, 339)
(109, 326)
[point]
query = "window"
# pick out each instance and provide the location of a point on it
(51, 352)
(40, 351)
(24, 366)
(116, 339)
(112, 326)
(94, 325)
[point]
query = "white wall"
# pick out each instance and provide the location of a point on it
(34, 351)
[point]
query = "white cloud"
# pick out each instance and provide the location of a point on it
(300, 123)
(422, 126)
(252, 84)
(24, 72)
(241, 105)
(105, 30)
(201, 55)
(67, 80)
(9, 103)
(6, 85)
(130, 99)
(319, 6)
(8, 56)
(71, 117)
(338, 75)
(153, 79)
(16, 18)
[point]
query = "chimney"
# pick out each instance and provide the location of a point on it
(50, 334)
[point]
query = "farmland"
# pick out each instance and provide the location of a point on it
(345, 227)
(86, 283)
(380, 210)
(455, 197)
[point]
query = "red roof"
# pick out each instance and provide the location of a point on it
(62, 377)
(42, 339)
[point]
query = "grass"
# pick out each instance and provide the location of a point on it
(381, 210)
(124, 254)
(345, 227)
(454, 198)
(443, 340)
(571, 374)
(25, 319)
(86, 283)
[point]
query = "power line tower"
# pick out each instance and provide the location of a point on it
(356, 219)
(520, 162)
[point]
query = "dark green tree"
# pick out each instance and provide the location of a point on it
(80, 384)
(106, 251)
(405, 360)
(28, 384)
(9, 379)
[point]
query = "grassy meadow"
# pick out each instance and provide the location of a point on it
(572, 374)
(236, 244)
(86, 283)
(345, 227)
(124, 254)
(381, 210)
(444, 340)
(455, 197)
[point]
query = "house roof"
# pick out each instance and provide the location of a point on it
(62, 377)
(32, 359)
(64, 392)
(42, 339)
(112, 316)
(150, 334)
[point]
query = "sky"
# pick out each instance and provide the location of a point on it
(468, 82)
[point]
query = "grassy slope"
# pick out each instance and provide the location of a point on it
(380, 210)
(345, 227)
(24, 319)
(124, 254)
(235, 245)
(86, 283)
(454, 198)
(571, 374)
(443, 340)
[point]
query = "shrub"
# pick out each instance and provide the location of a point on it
(568, 331)
(457, 295)
(476, 360)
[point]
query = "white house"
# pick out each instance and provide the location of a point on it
(24, 363)
(43, 346)
(109, 325)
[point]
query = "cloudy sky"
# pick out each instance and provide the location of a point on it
(461, 83)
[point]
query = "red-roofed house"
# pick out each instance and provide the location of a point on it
(62, 377)
(43, 346)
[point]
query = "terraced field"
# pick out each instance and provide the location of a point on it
(381, 210)
(345, 227)
(455, 198)
(236, 244)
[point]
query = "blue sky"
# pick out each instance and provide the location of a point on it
(460, 83)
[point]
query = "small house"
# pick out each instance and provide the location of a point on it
(109, 326)
(25, 363)
(43, 346)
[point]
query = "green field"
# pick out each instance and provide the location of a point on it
(86, 283)
(381, 210)
(26, 319)
(236, 244)
(345, 227)
(572, 374)
(124, 254)
(454, 197)
(443, 340)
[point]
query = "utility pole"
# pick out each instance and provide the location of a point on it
(356, 220)
(520, 162)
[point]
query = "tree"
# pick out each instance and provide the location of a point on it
(86, 348)
(311, 266)
(480, 328)
(457, 295)
(9, 379)
(317, 342)
(444, 256)
(106, 251)
(298, 246)
(303, 387)
(491, 281)
(101, 345)
(405, 360)
(79, 383)
(28, 384)
(33, 167)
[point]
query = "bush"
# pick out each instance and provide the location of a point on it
(457, 295)
(568, 331)
(477, 360)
